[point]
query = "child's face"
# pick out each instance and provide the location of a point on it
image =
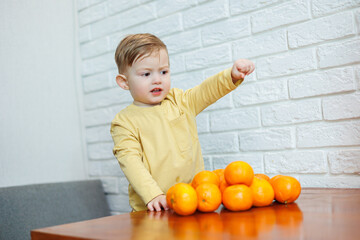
(148, 79)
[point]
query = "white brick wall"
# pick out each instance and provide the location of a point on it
(299, 112)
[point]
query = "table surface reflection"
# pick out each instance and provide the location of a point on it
(317, 214)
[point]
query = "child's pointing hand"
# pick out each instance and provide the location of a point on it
(241, 68)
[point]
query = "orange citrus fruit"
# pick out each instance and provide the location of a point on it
(239, 172)
(223, 185)
(182, 198)
(237, 197)
(219, 173)
(262, 192)
(263, 176)
(205, 177)
(209, 197)
(286, 188)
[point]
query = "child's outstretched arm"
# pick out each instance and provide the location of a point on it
(158, 203)
(217, 86)
(241, 68)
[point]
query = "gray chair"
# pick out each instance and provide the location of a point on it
(24, 208)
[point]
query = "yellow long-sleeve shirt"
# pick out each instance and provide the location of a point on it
(158, 146)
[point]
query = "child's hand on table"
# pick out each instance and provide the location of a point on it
(241, 68)
(158, 203)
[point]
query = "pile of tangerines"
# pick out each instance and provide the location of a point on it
(236, 187)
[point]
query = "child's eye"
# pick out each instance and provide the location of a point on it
(164, 72)
(145, 74)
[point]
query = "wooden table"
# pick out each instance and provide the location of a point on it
(317, 214)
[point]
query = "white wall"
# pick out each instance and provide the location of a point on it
(298, 114)
(40, 126)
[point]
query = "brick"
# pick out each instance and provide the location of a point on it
(208, 163)
(93, 2)
(111, 168)
(94, 168)
(339, 53)
(206, 13)
(267, 139)
(118, 203)
(177, 63)
(123, 184)
(260, 92)
(328, 28)
(202, 121)
(357, 74)
(98, 134)
(208, 57)
(342, 106)
(357, 18)
(291, 112)
(164, 26)
(81, 4)
(141, 14)
(98, 151)
(84, 34)
(94, 48)
(187, 80)
(106, 98)
(324, 181)
(219, 143)
(97, 82)
(323, 7)
(104, 168)
(106, 26)
(92, 14)
(163, 7)
(221, 104)
(243, 6)
(226, 30)
(345, 161)
(255, 161)
(322, 82)
(329, 134)
(260, 45)
(296, 162)
(110, 185)
(98, 64)
(116, 6)
(286, 13)
(101, 115)
(211, 71)
(184, 41)
(234, 119)
(287, 63)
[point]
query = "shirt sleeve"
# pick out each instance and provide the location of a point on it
(127, 150)
(210, 90)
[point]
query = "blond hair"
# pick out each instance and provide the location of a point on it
(134, 47)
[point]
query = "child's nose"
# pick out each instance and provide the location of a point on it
(157, 79)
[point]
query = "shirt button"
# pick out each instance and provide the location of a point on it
(177, 179)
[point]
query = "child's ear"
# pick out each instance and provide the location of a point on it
(122, 81)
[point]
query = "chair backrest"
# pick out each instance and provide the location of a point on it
(24, 208)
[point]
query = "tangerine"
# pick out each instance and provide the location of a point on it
(220, 173)
(286, 188)
(239, 172)
(263, 176)
(262, 191)
(209, 197)
(205, 177)
(182, 198)
(223, 185)
(237, 197)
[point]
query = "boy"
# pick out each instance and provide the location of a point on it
(155, 138)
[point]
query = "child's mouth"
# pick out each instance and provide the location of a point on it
(156, 91)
